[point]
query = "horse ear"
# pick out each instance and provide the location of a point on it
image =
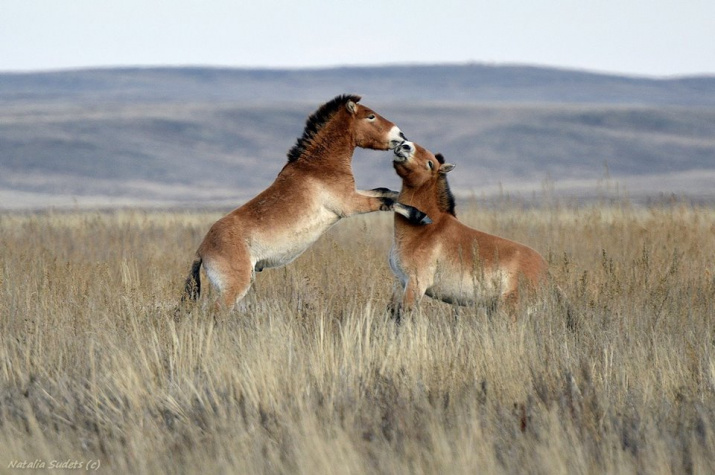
(351, 107)
(446, 168)
(440, 158)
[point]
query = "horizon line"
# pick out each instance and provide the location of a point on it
(317, 68)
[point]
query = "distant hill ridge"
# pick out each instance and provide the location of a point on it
(200, 136)
(466, 83)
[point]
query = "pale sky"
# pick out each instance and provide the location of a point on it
(636, 37)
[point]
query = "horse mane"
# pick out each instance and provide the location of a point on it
(445, 198)
(316, 121)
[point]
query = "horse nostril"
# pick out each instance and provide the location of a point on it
(406, 147)
(402, 136)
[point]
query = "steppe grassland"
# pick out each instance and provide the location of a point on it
(311, 376)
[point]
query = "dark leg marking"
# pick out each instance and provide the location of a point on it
(388, 204)
(413, 215)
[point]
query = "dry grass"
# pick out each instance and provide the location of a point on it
(312, 377)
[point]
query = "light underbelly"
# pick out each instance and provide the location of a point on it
(278, 247)
(466, 288)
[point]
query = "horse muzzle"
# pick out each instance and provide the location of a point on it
(397, 138)
(403, 151)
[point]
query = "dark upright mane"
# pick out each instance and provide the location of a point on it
(316, 121)
(445, 198)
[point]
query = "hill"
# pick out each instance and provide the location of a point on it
(203, 136)
(470, 83)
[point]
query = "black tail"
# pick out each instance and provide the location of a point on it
(192, 288)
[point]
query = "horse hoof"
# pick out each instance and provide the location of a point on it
(425, 220)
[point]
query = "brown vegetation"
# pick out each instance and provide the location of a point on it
(312, 376)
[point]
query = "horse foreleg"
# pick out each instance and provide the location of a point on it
(394, 308)
(383, 199)
(381, 193)
(412, 214)
(411, 295)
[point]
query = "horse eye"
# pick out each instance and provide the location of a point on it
(371, 117)
(430, 165)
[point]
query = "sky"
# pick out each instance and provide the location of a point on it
(660, 38)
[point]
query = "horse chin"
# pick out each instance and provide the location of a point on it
(400, 167)
(403, 173)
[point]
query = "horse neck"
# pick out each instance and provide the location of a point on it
(425, 198)
(334, 143)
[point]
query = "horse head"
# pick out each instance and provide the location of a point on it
(370, 129)
(422, 171)
(416, 165)
(356, 126)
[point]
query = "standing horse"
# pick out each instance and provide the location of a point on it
(447, 260)
(313, 191)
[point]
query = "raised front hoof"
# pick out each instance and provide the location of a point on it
(418, 217)
(425, 219)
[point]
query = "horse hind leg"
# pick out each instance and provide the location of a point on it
(509, 304)
(232, 282)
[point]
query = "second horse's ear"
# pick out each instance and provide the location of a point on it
(351, 107)
(446, 168)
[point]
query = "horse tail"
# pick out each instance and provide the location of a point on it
(192, 287)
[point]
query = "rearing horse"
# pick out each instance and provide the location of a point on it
(313, 191)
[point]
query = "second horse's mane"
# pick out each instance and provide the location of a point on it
(445, 198)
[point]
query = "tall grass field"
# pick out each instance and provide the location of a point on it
(310, 375)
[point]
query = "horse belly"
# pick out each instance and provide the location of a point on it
(276, 248)
(467, 288)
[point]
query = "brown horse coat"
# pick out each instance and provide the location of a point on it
(313, 191)
(448, 260)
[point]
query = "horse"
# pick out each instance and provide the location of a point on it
(448, 260)
(314, 190)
